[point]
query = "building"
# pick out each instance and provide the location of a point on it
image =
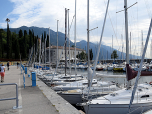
(61, 53)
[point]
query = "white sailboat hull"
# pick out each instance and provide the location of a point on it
(110, 68)
(117, 108)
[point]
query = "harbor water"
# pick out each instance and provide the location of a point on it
(117, 77)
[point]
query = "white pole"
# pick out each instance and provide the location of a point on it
(122, 46)
(65, 40)
(57, 43)
(69, 42)
(49, 48)
(141, 42)
(75, 38)
(40, 53)
(88, 34)
(126, 31)
(112, 49)
(45, 52)
(127, 42)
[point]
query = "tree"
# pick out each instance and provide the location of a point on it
(44, 44)
(33, 37)
(1, 43)
(4, 42)
(10, 44)
(72, 46)
(36, 43)
(42, 40)
(20, 33)
(31, 40)
(17, 51)
(21, 42)
(81, 56)
(25, 45)
(114, 55)
(47, 41)
(8, 39)
(91, 54)
(13, 42)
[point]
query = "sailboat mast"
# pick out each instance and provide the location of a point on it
(75, 38)
(127, 42)
(126, 32)
(112, 49)
(49, 47)
(57, 43)
(69, 41)
(45, 51)
(65, 39)
(34, 54)
(122, 47)
(40, 52)
(88, 34)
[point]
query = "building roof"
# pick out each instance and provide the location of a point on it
(61, 47)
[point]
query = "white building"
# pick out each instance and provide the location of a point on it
(61, 53)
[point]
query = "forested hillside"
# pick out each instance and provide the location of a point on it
(13, 44)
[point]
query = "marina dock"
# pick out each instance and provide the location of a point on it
(40, 99)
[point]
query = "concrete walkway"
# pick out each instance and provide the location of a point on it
(34, 100)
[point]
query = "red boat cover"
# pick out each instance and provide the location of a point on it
(130, 74)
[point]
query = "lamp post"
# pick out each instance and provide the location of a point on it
(7, 20)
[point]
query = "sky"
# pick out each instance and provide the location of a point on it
(45, 13)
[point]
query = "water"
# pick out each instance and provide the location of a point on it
(118, 77)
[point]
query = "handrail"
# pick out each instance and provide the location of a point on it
(15, 107)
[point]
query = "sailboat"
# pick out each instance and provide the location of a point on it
(97, 88)
(119, 101)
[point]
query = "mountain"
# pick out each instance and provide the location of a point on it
(38, 31)
(105, 51)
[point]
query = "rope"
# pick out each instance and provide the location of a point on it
(113, 29)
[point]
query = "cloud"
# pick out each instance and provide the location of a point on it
(45, 13)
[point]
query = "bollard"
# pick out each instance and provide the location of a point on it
(25, 70)
(33, 79)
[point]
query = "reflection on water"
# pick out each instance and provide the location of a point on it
(117, 79)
